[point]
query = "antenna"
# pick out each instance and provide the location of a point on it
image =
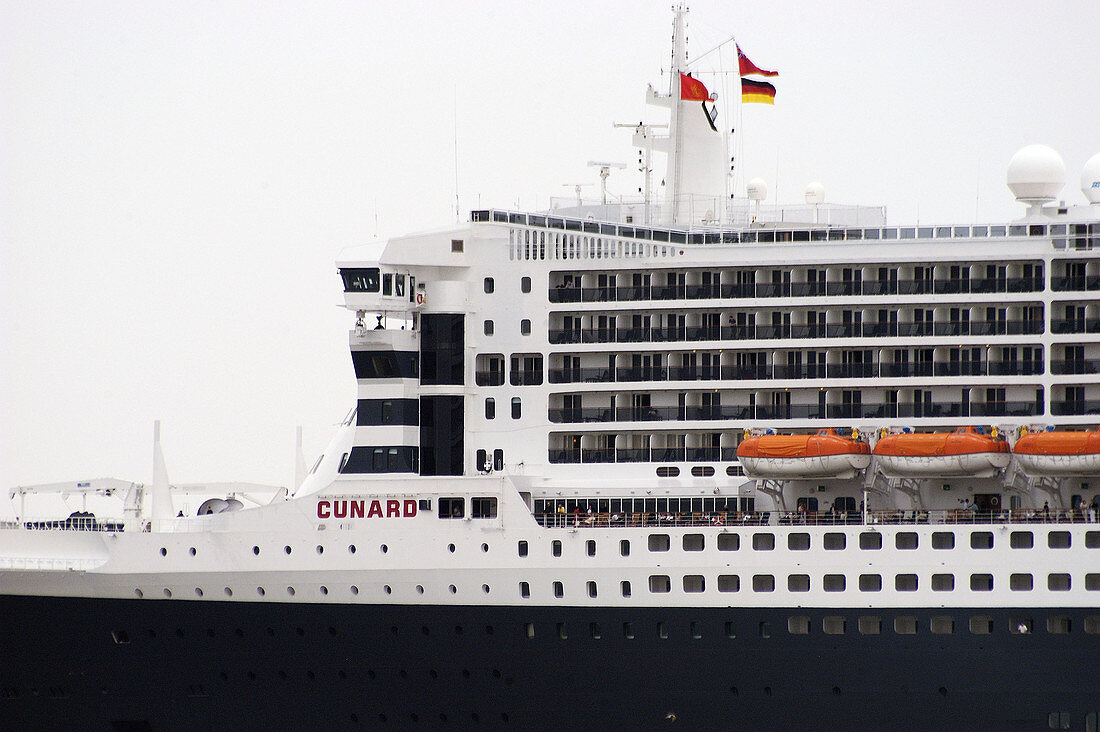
(577, 189)
(605, 172)
(457, 210)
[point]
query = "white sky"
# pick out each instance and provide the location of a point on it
(176, 179)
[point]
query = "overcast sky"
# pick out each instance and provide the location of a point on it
(176, 179)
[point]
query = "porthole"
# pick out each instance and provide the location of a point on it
(324, 590)
(354, 590)
(387, 589)
(256, 550)
(228, 592)
(198, 592)
(485, 589)
(290, 591)
(320, 549)
(453, 589)
(451, 548)
(260, 591)
(351, 548)
(484, 547)
(384, 548)
(420, 589)
(192, 551)
(139, 593)
(286, 549)
(167, 592)
(163, 552)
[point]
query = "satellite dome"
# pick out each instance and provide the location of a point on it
(757, 189)
(1090, 179)
(815, 193)
(1036, 174)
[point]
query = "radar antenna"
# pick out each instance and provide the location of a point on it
(605, 172)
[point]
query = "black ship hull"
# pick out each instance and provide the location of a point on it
(163, 664)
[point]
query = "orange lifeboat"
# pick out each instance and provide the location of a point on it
(966, 452)
(1059, 453)
(826, 454)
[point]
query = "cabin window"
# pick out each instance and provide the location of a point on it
(763, 583)
(559, 590)
(452, 507)
(870, 540)
(456, 245)
(870, 582)
(1058, 540)
(522, 548)
(659, 542)
(660, 583)
(943, 582)
(666, 471)
(624, 547)
(870, 625)
(905, 625)
(489, 286)
(590, 547)
(525, 284)
(1058, 624)
(798, 583)
(905, 540)
(517, 408)
(483, 507)
(1092, 582)
(1058, 582)
(525, 327)
(981, 540)
(729, 542)
(799, 541)
(555, 547)
(591, 587)
(1092, 539)
(693, 542)
(763, 542)
(834, 625)
(387, 284)
(490, 413)
(729, 583)
(834, 540)
(833, 583)
(942, 624)
(943, 540)
(1021, 540)
(360, 280)
(624, 587)
(694, 583)
(905, 583)
(798, 625)
(981, 582)
(488, 327)
(524, 590)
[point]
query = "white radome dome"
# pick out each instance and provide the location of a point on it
(1090, 179)
(1036, 173)
(757, 189)
(815, 193)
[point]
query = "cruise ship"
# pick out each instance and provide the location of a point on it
(680, 462)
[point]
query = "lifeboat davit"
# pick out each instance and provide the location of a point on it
(1059, 453)
(826, 454)
(966, 452)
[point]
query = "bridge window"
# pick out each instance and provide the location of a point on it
(452, 507)
(483, 507)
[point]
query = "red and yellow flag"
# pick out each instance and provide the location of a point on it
(748, 67)
(692, 90)
(760, 92)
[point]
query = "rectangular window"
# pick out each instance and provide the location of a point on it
(625, 587)
(870, 625)
(591, 587)
(628, 631)
(833, 583)
(522, 548)
(693, 542)
(488, 327)
(658, 542)
(624, 547)
(1058, 582)
(798, 583)
(870, 540)
(456, 245)
(360, 280)
(763, 583)
(905, 625)
(981, 624)
(590, 547)
(943, 582)
(525, 284)
(555, 547)
(799, 541)
(490, 410)
(729, 542)
(489, 286)
(525, 327)
(660, 583)
(452, 507)
(729, 583)
(1020, 625)
(834, 625)
(798, 625)
(524, 590)
(763, 542)
(981, 582)
(387, 284)
(942, 624)
(517, 408)
(943, 540)
(694, 583)
(483, 507)
(905, 582)
(1058, 540)
(981, 540)
(561, 626)
(835, 541)
(870, 582)
(559, 589)
(1021, 540)
(1058, 624)
(905, 540)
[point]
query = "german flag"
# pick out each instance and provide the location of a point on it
(760, 92)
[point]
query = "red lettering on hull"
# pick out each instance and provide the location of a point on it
(340, 508)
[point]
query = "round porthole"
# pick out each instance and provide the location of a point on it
(387, 589)
(384, 548)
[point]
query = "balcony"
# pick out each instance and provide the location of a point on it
(489, 378)
(1075, 406)
(1074, 325)
(1089, 366)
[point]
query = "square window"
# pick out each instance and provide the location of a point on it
(525, 284)
(833, 583)
(981, 540)
(525, 327)
(943, 582)
(659, 583)
(943, 540)
(981, 582)
(1021, 540)
(799, 541)
(905, 540)
(870, 582)
(456, 245)
(659, 542)
(693, 542)
(870, 625)
(729, 542)
(942, 624)
(763, 542)
(1058, 582)
(870, 540)
(798, 583)
(763, 583)
(1020, 582)
(905, 582)
(835, 540)
(489, 285)
(694, 583)
(1058, 540)
(729, 583)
